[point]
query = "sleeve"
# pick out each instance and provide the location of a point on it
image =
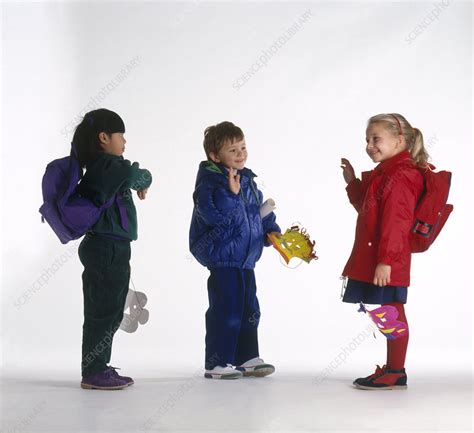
(124, 174)
(269, 223)
(354, 192)
(109, 175)
(216, 205)
(135, 177)
(397, 208)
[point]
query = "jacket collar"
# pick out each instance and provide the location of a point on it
(221, 169)
(401, 158)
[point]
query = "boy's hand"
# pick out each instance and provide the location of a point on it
(276, 234)
(382, 275)
(234, 181)
(347, 170)
(142, 194)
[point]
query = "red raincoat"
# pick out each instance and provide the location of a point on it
(385, 200)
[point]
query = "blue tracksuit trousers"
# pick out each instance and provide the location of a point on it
(232, 318)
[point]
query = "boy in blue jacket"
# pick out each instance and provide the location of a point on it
(227, 235)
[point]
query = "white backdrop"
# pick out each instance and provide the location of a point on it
(170, 70)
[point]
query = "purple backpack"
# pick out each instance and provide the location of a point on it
(68, 214)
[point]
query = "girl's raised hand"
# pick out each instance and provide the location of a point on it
(234, 181)
(347, 170)
(382, 275)
(142, 194)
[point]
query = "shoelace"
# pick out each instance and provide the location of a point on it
(378, 372)
(113, 370)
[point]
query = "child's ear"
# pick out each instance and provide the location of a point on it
(103, 140)
(402, 142)
(214, 157)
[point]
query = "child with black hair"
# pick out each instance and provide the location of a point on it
(105, 250)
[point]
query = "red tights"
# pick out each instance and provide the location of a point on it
(397, 349)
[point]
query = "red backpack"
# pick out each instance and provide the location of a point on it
(432, 211)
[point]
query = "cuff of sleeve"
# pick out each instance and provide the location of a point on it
(353, 186)
(386, 260)
(266, 242)
(273, 229)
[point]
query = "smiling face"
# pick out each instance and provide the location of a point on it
(233, 154)
(113, 144)
(383, 144)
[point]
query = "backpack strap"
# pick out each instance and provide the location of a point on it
(108, 203)
(118, 199)
(123, 211)
(74, 150)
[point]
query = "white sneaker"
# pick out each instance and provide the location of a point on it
(256, 367)
(219, 372)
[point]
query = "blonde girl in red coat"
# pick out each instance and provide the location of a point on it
(378, 269)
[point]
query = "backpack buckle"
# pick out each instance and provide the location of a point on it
(421, 228)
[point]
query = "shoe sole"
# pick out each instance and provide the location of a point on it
(259, 372)
(385, 388)
(103, 388)
(222, 376)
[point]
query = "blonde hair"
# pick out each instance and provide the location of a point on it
(398, 125)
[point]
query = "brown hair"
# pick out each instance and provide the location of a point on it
(216, 136)
(398, 125)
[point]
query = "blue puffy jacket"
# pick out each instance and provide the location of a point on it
(226, 228)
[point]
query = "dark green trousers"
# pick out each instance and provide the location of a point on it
(105, 283)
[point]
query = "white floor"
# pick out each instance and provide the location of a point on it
(284, 402)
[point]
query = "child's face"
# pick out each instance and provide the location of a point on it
(113, 144)
(382, 144)
(232, 154)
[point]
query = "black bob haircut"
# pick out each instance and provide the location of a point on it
(86, 137)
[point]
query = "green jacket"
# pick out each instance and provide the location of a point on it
(106, 176)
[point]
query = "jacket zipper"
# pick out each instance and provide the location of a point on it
(250, 227)
(248, 219)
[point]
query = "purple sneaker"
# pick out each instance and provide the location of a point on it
(128, 380)
(105, 380)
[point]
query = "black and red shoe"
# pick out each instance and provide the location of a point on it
(383, 378)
